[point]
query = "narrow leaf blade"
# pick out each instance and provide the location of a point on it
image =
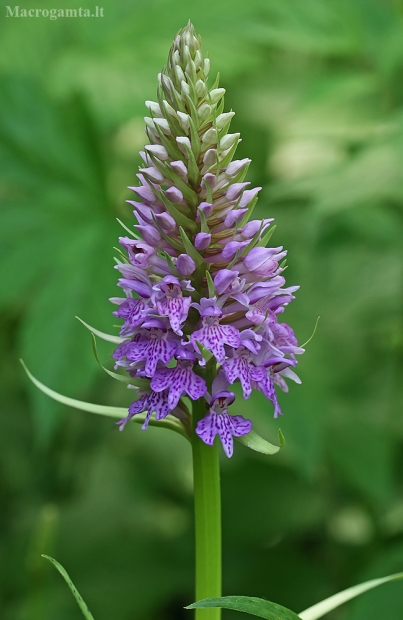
(190, 249)
(113, 412)
(255, 442)
(86, 612)
(107, 337)
(324, 607)
(250, 605)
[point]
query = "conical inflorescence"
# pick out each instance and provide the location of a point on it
(203, 293)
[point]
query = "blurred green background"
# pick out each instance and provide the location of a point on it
(317, 86)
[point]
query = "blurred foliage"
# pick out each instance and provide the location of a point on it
(318, 90)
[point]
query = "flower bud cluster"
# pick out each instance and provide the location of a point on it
(203, 293)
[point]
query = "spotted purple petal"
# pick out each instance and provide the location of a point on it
(224, 425)
(149, 402)
(214, 336)
(180, 380)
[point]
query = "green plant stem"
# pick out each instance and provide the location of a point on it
(207, 502)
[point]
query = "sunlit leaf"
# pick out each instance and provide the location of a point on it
(324, 607)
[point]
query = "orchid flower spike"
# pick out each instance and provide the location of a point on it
(202, 292)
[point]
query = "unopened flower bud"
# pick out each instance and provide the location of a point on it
(232, 248)
(204, 112)
(153, 174)
(216, 94)
(202, 241)
(223, 119)
(179, 72)
(150, 234)
(174, 195)
(184, 120)
(168, 108)
(235, 167)
(229, 140)
(251, 229)
(180, 168)
(167, 84)
(191, 68)
(144, 192)
(200, 88)
(210, 157)
(234, 217)
(154, 108)
(185, 265)
(198, 59)
(149, 122)
(210, 136)
(235, 190)
(248, 196)
(157, 150)
(185, 91)
(184, 144)
(166, 221)
(163, 124)
(207, 208)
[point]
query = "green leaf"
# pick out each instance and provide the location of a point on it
(250, 605)
(86, 612)
(112, 412)
(204, 227)
(265, 239)
(324, 607)
(210, 284)
(171, 265)
(107, 337)
(137, 382)
(255, 442)
(131, 232)
(190, 249)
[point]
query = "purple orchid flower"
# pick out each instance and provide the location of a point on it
(151, 346)
(180, 380)
(170, 302)
(134, 312)
(150, 402)
(212, 335)
(219, 422)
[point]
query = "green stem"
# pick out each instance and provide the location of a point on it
(207, 501)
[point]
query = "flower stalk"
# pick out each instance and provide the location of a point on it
(207, 509)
